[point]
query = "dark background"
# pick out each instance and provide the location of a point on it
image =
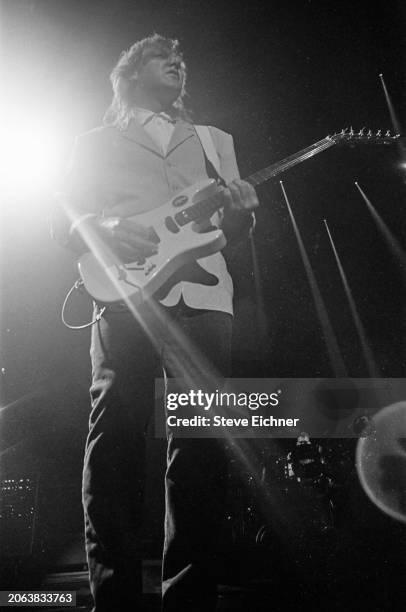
(278, 76)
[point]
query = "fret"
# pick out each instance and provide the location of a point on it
(271, 171)
(207, 207)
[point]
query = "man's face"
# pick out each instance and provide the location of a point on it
(162, 72)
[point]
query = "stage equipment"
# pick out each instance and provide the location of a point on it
(293, 491)
(18, 515)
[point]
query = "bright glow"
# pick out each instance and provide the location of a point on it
(31, 154)
(380, 461)
(403, 165)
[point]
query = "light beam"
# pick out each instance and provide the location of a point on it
(333, 349)
(368, 356)
(390, 239)
(393, 116)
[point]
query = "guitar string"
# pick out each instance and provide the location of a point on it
(199, 209)
(210, 205)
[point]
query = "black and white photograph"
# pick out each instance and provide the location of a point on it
(202, 311)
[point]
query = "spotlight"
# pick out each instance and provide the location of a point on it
(31, 154)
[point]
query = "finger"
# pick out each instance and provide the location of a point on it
(123, 251)
(237, 194)
(244, 195)
(144, 246)
(128, 253)
(134, 240)
(226, 196)
(136, 228)
(250, 196)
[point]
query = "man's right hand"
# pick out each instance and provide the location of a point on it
(129, 240)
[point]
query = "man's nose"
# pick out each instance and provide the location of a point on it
(174, 61)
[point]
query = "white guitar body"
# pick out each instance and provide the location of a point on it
(109, 280)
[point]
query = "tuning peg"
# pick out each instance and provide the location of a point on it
(379, 133)
(343, 131)
(361, 132)
(351, 131)
(369, 134)
(387, 133)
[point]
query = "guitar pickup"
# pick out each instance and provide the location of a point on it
(171, 225)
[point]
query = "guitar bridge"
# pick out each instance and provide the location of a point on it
(145, 267)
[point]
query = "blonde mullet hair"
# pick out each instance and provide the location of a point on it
(122, 79)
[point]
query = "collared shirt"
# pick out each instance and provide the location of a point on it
(159, 126)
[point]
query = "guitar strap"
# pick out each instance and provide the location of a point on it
(211, 156)
(213, 163)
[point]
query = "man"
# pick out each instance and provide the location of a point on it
(147, 152)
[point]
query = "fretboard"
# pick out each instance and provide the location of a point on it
(208, 207)
(271, 171)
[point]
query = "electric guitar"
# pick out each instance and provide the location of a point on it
(177, 232)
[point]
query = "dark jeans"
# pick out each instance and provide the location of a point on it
(125, 361)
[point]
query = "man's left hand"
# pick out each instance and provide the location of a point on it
(239, 196)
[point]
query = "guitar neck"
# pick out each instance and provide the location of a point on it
(208, 207)
(297, 158)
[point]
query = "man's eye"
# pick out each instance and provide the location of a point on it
(152, 55)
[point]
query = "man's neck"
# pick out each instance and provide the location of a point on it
(152, 103)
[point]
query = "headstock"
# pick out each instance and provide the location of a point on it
(348, 136)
